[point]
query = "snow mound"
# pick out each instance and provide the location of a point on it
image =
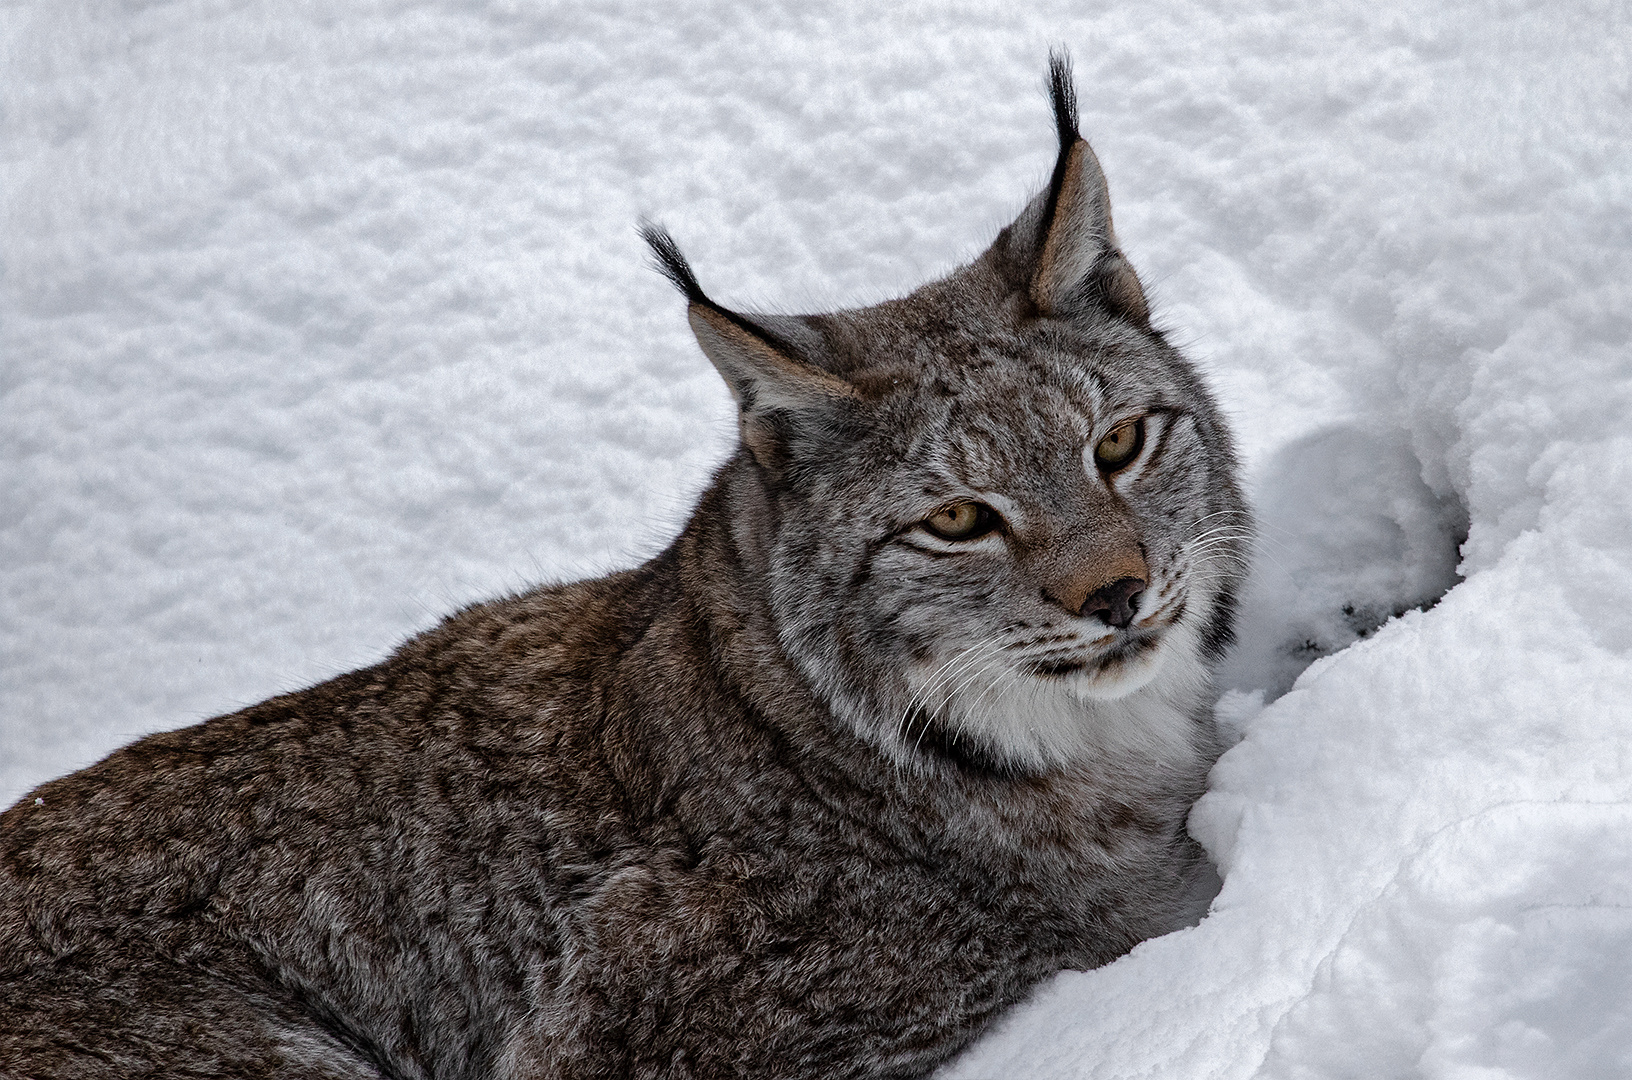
(1349, 537)
(1511, 962)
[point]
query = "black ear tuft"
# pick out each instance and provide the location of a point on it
(1062, 93)
(671, 263)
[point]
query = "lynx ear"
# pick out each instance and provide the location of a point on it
(776, 393)
(1078, 259)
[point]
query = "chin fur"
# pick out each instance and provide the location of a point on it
(1139, 709)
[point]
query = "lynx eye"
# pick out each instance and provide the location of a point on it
(1120, 446)
(961, 521)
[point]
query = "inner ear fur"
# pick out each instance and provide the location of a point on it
(1078, 261)
(777, 394)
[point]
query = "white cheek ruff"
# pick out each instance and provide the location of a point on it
(1137, 712)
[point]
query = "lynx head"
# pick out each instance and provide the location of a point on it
(999, 518)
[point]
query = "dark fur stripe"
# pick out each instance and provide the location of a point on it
(1062, 95)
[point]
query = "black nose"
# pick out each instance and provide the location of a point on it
(1116, 603)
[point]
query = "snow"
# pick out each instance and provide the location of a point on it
(317, 321)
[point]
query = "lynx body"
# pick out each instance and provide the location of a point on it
(909, 717)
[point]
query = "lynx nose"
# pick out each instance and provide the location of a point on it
(1116, 603)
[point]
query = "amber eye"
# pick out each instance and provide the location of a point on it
(1120, 446)
(962, 521)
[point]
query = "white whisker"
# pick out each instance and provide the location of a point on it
(953, 666)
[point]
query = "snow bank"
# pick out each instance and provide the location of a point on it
(317, 321)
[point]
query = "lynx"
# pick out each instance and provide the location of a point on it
(908, 717)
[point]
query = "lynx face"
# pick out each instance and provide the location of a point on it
(937, 573)
(1003, 529)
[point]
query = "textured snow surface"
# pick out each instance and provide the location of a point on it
(318, 320)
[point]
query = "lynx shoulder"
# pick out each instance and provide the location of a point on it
(907, 718)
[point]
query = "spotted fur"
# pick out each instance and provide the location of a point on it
(816, 792)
